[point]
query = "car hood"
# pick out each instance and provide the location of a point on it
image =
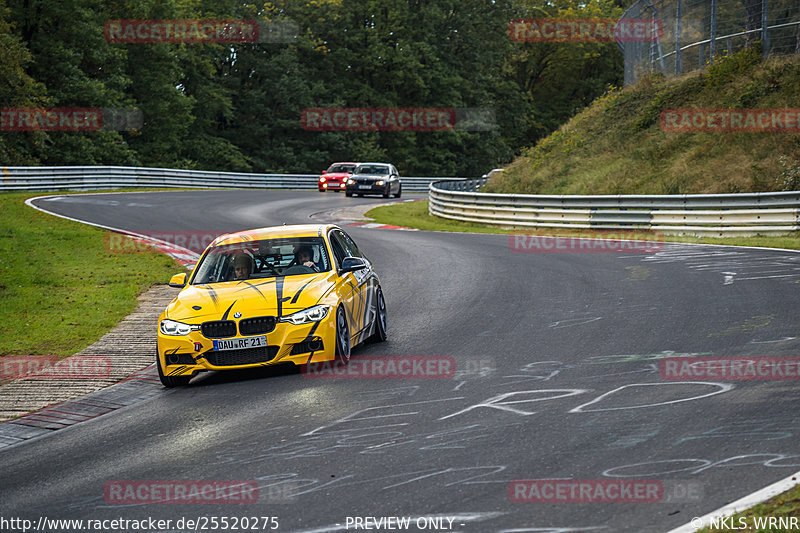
(337, 175)
(255, 297)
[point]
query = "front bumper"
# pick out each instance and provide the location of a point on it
(287, 343)
(366, 189)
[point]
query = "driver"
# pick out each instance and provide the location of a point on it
(241, 267)
(304, 256)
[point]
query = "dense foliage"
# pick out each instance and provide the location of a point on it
(237, 106)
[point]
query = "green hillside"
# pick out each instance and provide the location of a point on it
(617, 145)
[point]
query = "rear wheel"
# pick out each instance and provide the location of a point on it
(342, 337)
(170, 381)
(379, 327)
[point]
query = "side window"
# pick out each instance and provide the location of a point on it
(350, 246)
(394, 171)
(338, 247)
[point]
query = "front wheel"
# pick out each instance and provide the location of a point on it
(399, 191)
(387, 191)
(379, 326)
(348, 194)
(342, 337)
(170, 381)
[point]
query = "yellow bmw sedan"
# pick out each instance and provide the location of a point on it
(300, 294)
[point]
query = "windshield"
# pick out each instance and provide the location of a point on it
(263, 259)
(341, 168)
(373, 169)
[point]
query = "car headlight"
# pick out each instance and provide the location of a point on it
(350, 182)
(322, 180)
(170, 327)
(380, 182)
(312, 314)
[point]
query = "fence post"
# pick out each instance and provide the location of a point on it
(678, 58)
(712, 46)
(764, 29)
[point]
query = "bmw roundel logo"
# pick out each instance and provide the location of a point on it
(237, 315)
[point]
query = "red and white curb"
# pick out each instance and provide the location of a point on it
(375, 225)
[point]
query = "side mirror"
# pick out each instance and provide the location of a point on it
(324, 171)
(351, 264)
(178, 281)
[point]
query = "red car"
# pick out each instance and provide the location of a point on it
(336, 176)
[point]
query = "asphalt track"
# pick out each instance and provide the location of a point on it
(558, 377)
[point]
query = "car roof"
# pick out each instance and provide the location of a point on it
(273, 232)
(385, 164)
(344, 163)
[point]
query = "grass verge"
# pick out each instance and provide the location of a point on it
(61, 286)
(415, 215)
(785, 505)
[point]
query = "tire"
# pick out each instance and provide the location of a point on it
(170, 381)
(322, 190)
(348, 194)
(379, 327)
(387, 191)
(342, 337)
(399, 191)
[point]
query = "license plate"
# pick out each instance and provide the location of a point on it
(365, 186)
(240, 344)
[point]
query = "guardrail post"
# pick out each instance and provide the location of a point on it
(678, 56)
(712, 45)
(764, 29)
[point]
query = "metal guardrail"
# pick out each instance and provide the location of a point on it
(686, 214)
(110, 177)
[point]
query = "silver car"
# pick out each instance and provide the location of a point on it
(374, 178)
